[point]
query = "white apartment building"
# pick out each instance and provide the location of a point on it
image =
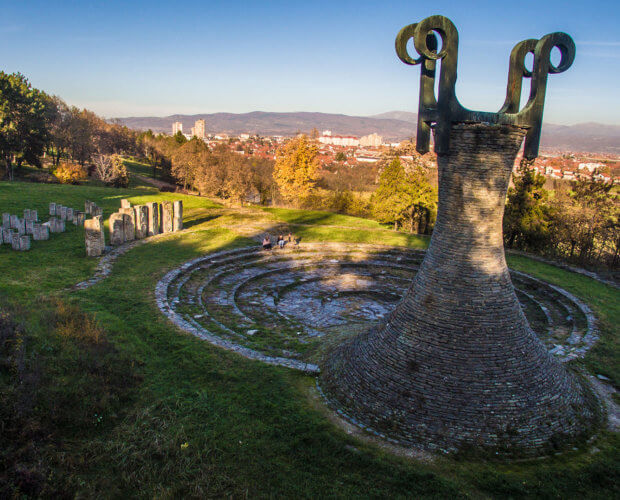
(177, 127)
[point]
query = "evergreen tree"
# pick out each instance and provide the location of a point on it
(526, 217)
(390, 202)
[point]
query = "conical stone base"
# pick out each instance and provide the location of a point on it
(457, 364)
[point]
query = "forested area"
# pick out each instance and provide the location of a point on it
(576, 221)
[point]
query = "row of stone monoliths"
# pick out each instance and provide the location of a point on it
(133, 223)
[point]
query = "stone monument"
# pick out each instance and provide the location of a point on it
(94, 236)
(167, 211)
(141, 217)
(456, 364)
(177, 218)
(153, 218)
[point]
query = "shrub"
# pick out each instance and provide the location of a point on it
(70, 173)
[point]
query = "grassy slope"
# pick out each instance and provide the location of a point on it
(250, 429)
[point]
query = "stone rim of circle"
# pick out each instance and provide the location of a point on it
(169, 286)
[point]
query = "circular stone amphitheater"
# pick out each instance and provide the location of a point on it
(288, 307)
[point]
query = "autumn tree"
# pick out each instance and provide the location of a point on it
(187, 159)
(296, 169)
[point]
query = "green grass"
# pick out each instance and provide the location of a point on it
(319, 218)
(171, 416)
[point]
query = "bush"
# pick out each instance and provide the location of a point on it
(70, 173)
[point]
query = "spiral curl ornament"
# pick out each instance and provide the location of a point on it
(441, 111)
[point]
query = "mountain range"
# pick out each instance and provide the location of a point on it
(393, 126)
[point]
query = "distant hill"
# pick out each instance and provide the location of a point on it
(393, 126)
(264, 123)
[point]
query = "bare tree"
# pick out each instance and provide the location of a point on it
(104, 167)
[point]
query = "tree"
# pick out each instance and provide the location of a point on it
(390, 200)
(526, 216)
(341, 156)
(422, 201)
(180, 138)
(112, 170)
(23, 133)
(187, 159)
(296, 168)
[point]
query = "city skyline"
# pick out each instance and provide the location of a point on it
(147, 59)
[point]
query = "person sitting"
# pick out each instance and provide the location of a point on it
(281, 241)
(289, 238)
(266, 243)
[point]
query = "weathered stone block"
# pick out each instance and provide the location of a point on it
(167, 213)
(52, 208)
(125, 203)
(69, 214)
(15, 240)
(24, 242)
(117, 229)
(130, 229)
(88, 206)
(21, 226)
(14, 221)
(141, 217)
(29, 226)
(40, 232)
(6, 236)
(34, 215)
(78, 218)
(63, 213)
(26, 214)
(96, 211)
(94, 236)
(153, 218)
(6, 220)
(177, 218)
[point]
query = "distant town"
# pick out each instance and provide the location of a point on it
(352, 150)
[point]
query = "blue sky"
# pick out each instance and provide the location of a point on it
(158, 58)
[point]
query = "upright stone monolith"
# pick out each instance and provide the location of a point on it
(177, 218)
(456, 364)
(15, 240)
(129, 223)
(94, 236)
(125, 203)
(167, 211)
(142, 223)
(117, 229)
(153, 218)
(52, 208)
(6, 220)
(24, 242)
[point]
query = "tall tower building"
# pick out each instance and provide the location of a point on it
(199, 129)
(177, 127)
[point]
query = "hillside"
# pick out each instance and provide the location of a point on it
(393, 126)
(129, 405)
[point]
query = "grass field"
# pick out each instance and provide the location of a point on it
(101, 397)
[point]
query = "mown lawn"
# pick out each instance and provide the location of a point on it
(134, 407)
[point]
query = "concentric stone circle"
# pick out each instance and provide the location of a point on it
(287, 306)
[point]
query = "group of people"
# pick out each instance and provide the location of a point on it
(281, 241)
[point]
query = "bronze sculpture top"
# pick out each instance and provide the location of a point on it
(445, 109)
